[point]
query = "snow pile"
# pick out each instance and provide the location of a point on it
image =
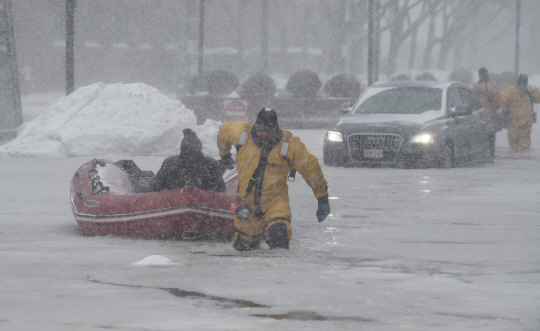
(104, 119)
(154, 261)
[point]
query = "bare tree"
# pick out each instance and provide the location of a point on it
(357, 36)
(482, 25)
(398, 21)
(336, 14)
(238, 22)
(240, 35)
(433, 9)
(70, 49)
(455, 16)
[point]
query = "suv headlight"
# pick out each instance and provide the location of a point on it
(423, 138)
(334, 136)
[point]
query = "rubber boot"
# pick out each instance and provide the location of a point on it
(276, 236)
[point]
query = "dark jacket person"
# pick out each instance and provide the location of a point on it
(191, 168)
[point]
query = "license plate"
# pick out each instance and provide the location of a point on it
(373, 153)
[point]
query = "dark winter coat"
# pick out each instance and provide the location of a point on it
(190, 168)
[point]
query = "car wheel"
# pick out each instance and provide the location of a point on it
(446, 158)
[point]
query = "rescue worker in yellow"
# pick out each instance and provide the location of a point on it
(489, 95)
(518, 101)
(265, 157)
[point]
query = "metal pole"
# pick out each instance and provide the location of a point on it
(70, 46)
(371, 43)
(518, 25)
(376, 40)
(201, 36)
(10, 96)
(264, 36)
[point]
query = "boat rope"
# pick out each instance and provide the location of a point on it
(95, 182)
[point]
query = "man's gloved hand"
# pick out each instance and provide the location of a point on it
(324, 208)
(227, 161)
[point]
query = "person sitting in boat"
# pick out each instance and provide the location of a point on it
(191, 168)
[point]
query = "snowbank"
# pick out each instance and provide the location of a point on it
(103, 119)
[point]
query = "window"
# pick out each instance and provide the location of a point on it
(400, 100)
(469, 99)
(454, 99)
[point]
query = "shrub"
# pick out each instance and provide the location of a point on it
(461, 75)
(221, 82)
(258, 85)
(426, 76)
(304, 84)
(342, 86)
(400, 78)
(198, 84)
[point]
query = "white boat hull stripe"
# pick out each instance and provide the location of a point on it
(151, 214)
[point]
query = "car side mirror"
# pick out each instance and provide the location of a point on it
(345, 107)
(462, 110)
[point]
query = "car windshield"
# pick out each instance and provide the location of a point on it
(400, 100)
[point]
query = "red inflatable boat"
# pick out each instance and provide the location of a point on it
(104, 201)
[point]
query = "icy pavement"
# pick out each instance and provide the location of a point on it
(422, 249)
(427, 249)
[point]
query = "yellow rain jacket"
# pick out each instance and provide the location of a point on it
(489, 96)
(273, 193)
(519, 106)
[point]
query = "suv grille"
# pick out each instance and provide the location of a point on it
(389, 144)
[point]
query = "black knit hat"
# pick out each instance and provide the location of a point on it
(522, 79)
(266, 120)
(483, 74)
(190, 143)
